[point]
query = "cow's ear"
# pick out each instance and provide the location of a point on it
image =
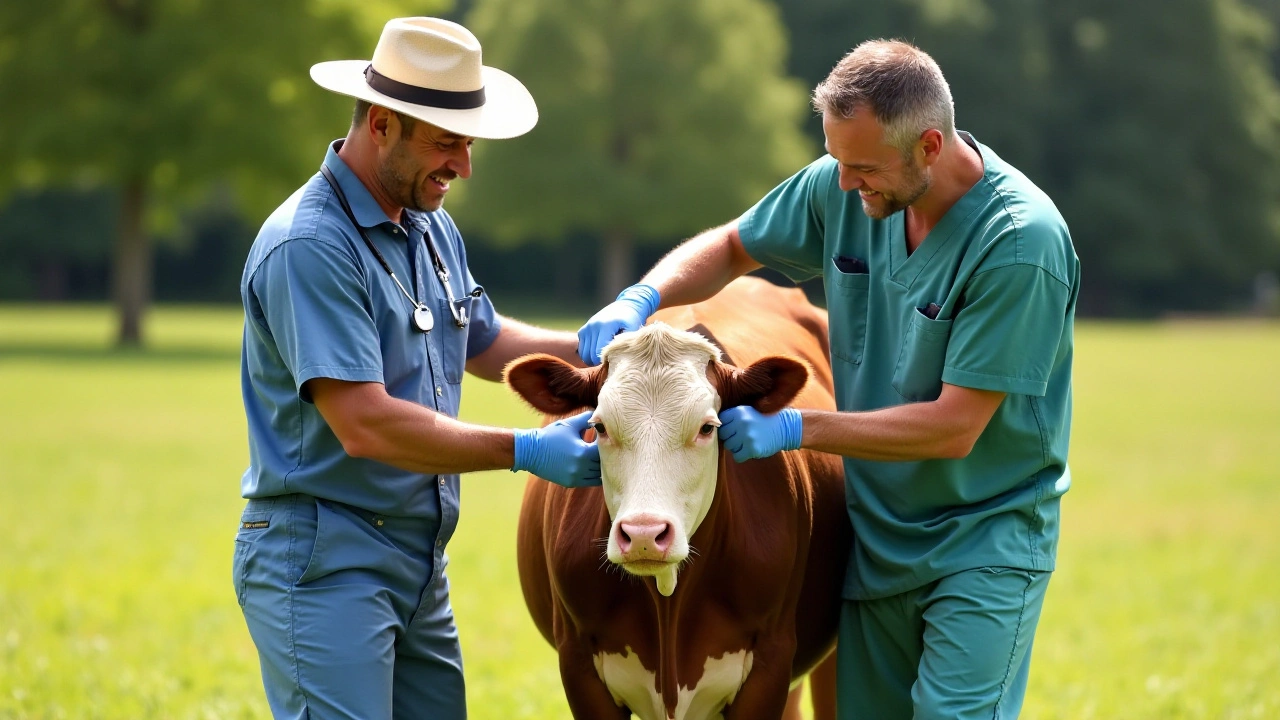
(767, 385)
(552, 385)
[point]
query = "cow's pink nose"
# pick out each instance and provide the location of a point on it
(644, 539)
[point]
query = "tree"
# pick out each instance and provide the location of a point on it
(161, 100)
(54, 268)
(1153, 124)
(658, 118)
(1168, 167)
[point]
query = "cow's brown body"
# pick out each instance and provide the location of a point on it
(769, 556)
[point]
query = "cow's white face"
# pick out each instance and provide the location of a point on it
(659, 452)
(657, 398)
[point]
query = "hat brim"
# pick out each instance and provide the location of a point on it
(508, 110)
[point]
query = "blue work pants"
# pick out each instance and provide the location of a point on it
(343, 610)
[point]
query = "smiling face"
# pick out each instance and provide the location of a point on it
(887, 180)
(415, 170)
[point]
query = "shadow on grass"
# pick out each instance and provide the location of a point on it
(90, 353)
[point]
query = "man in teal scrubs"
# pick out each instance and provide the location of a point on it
(951, 284)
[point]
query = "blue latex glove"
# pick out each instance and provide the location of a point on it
(633, 306)
(749, 433)
(558, 453)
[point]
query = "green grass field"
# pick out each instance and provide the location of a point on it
(119, 499)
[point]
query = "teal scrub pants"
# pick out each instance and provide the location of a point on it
(958, 648)
(345, 611)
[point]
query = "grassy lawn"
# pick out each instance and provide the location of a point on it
(119, 479)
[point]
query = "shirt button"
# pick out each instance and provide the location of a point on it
(441, 482)
(439, 391)
(439, 543)
(378, 522)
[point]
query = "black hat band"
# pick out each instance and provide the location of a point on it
(445, 99)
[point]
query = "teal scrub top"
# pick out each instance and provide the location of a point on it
(1004, 276)
(318, 304)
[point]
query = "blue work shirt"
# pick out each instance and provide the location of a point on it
(317, 303)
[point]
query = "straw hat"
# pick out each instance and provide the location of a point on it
(429, 69)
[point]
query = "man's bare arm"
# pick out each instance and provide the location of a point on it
(944, 428)
(701, 266)
(516, 339)
(371, 424)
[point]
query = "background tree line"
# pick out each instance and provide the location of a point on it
(145, 140)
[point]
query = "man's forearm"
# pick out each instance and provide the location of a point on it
(517, 339)
(700, 267)
(944, 428)
(892, 434)
(417, 439)
(371, 424)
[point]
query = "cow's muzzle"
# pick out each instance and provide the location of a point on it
(643, 538)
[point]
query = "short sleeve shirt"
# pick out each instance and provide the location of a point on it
(318, 303)
(986, 301)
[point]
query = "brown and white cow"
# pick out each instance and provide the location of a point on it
(690, 586)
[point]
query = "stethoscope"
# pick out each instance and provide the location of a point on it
(422, 317)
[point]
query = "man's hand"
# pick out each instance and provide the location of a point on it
(558, 453)
(749, 434)
(629, 312)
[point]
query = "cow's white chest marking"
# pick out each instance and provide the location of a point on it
(633, 686)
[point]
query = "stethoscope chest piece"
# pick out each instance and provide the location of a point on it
(423, 319)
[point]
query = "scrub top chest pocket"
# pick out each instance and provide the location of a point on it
(918, 375)
(848, 282)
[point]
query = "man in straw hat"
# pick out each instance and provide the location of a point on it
(360, 318)
(951, 285)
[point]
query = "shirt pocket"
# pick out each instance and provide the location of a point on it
(918, 376)
(848, 313)
(453, 339)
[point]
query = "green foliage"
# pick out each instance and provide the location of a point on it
(164, 99)
(119, 499)
(657, 118)
(177, 94)
(1153, 124)
(39, 248)
(1170, 172)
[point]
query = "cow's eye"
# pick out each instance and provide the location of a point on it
(599, 428)
(707, 429)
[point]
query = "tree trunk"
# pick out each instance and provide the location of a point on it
(617, 266)
(51, 280)
(131, 265)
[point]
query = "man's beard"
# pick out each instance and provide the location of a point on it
(915, 183)
(397, 177)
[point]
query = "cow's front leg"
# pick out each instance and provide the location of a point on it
(587, 694)
(763, 695)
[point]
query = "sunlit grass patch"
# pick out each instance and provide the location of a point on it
(119, 497)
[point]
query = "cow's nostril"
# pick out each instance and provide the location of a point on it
(644, 537)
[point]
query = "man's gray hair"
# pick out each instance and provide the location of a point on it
(901, 85)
